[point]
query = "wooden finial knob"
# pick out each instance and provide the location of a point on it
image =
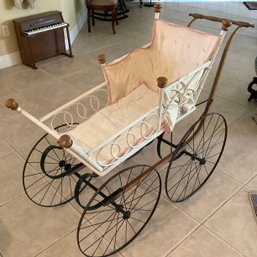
(226, 25)
(101, 58)
(162, 81)
(11, 104)
(65, 141)
(157, 8)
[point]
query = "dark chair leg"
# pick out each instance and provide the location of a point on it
(252, 91)
(93, 17)
(88, 20)
(113, 19)
(116, 16)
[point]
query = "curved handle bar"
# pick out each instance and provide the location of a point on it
(216, 19)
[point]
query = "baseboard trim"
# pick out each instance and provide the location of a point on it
(10, 60)
(14, 58)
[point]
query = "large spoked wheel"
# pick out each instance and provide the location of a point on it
(196, 157)
(105, 230)
(45, 173)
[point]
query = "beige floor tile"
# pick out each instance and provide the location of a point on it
(246, 126)
(24, 102)
(242, 65)
(17, 130)
(13, 69)
(85, 80)
(5, 148)
(167, 223)
(27, 229)
(2, 255)
(28, 78)
(231, 111)
(11, 175)
(66, 247)
(235, 223)
(46, 91)
(202, 243)
(236, 92)
(253, 183)
(62, 67)
(218, 188)
(238, 159)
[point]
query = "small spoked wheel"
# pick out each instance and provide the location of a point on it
(45, 174)
(196, 157)
(119, 211)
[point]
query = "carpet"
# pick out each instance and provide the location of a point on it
(253, 201)
(251, 5)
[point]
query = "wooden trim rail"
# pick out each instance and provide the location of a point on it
(222, 20)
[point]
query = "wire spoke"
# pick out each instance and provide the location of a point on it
(140, 209)
(48, 184)
(145, 193)
(142, 195)
(173, 175)
(101, 223)
(115, 236)
(53, 149)
(187, 183)
(102, 237)
(31, 175)
(181, 178)
(137, 220)
(131, 227)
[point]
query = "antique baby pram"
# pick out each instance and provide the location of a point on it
(104, 127)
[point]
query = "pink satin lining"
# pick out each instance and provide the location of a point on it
(174, 52)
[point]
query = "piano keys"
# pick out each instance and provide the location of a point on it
(41, 36)
(46, 28)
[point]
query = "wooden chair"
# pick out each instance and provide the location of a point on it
(101, 5)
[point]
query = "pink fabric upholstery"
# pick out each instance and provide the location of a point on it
(174, 52)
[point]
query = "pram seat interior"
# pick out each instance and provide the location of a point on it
(112, 119)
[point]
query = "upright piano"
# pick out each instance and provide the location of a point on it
(41, 36)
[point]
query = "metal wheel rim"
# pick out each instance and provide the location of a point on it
(138, 232)
(176, 152)
(24, 176)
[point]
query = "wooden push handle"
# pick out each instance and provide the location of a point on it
(65, 141)
(157, 8)
(222, 20)
(101, 58)
(162, 82)
(11, 104)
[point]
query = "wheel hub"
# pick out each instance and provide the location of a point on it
(126, 215)
(202, 161)
(62, 163)
(120, 208)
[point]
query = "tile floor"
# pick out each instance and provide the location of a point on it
(217, 221)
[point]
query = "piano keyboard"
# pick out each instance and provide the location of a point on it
(46, 28)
